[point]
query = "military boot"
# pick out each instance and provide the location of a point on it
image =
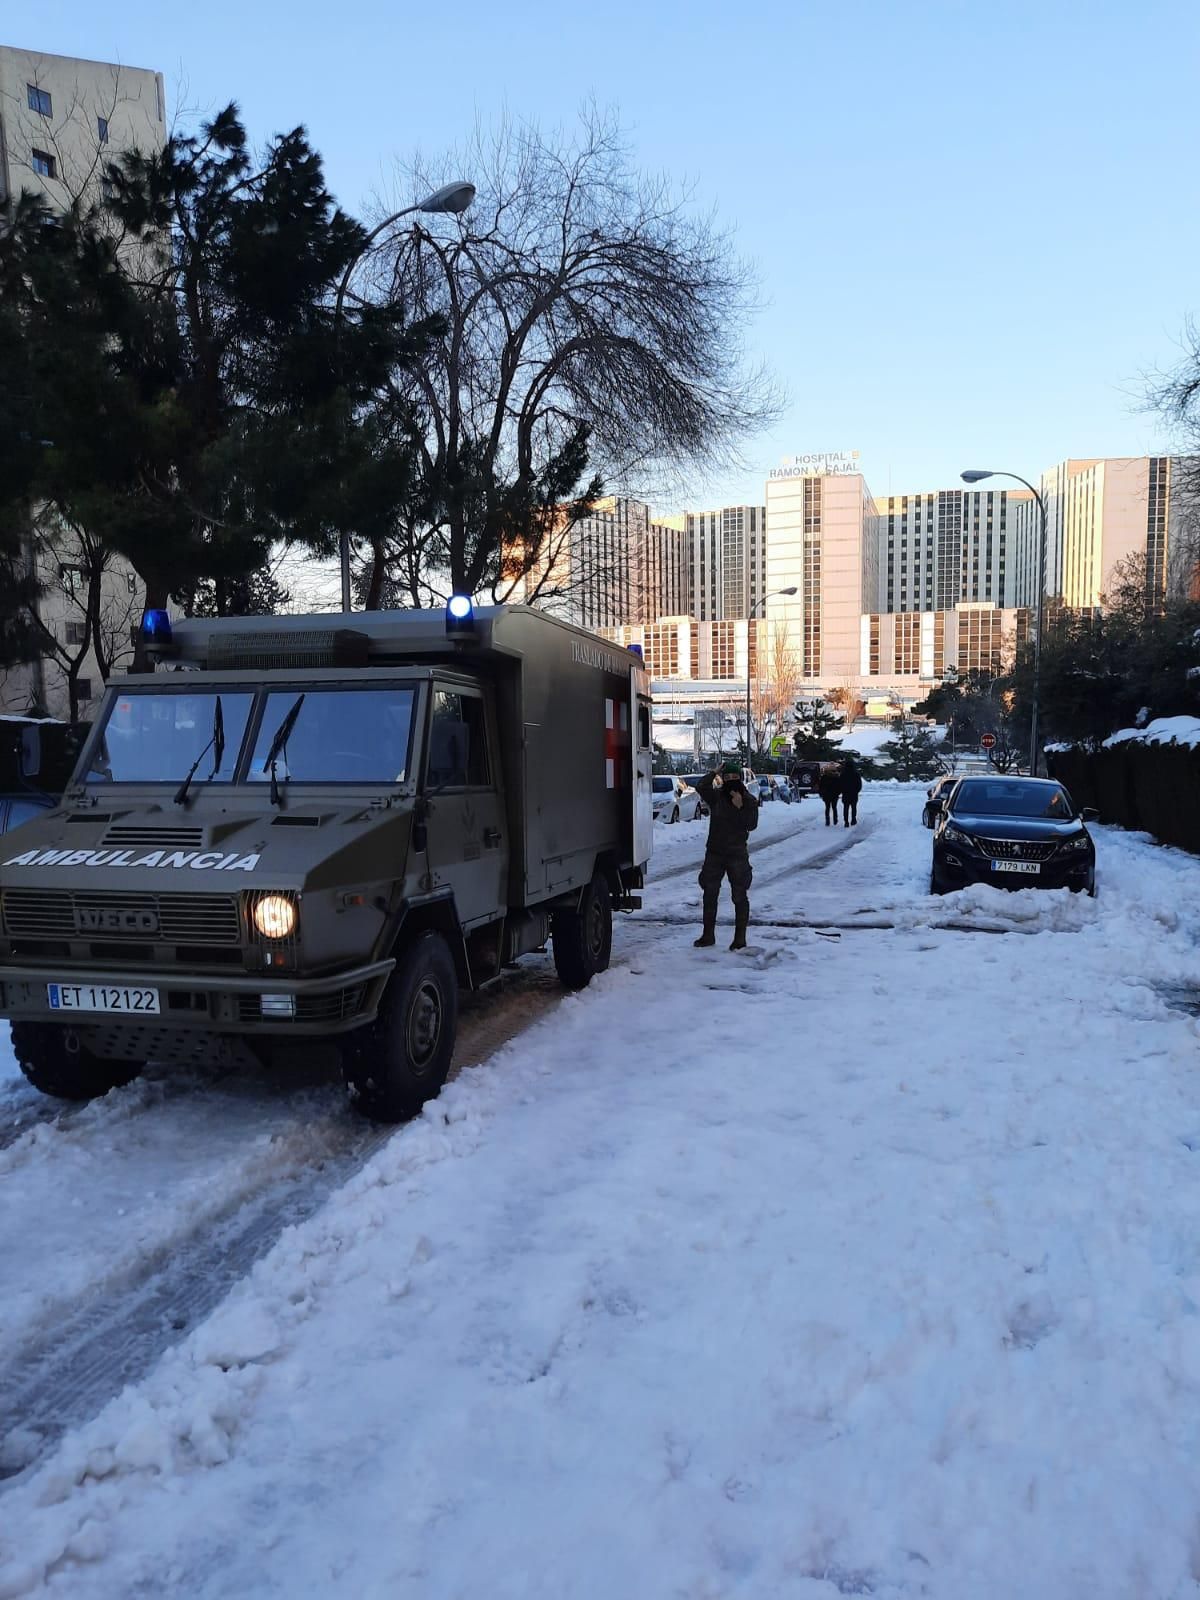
(707, 939)
(739, 933)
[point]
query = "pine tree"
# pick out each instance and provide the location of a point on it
(815, 722)
(910, 756)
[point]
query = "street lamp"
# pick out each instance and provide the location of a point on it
(977, 477)
(749, 624)
(452, 198)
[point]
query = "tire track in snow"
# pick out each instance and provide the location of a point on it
(74, 1361)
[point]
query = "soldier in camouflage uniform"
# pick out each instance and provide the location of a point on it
(732, 818)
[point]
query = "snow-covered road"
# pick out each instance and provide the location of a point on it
(867, 1262)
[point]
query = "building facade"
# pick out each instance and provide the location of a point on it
(923, 646)
(822, 541)
(61, 121)
(727, 553)
(1099, 513)
(62, 118)
(939, 549)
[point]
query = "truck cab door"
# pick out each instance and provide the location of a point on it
(467, 843)
(643, 771)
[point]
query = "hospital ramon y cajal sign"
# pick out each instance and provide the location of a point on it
(822, 464)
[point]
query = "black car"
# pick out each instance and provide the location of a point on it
(934, 795)
(1015, 833)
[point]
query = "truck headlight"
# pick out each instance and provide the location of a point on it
(275, 916)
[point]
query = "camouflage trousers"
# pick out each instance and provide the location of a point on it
(717, 865)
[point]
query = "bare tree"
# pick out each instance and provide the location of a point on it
(846, 699)
(91, 604)
(594, 325)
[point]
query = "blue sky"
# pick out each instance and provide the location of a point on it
(976, 225)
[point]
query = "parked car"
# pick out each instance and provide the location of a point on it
(937, 792)
(675, 800)
(760, 788)
(781, 788)
(804, 777)
(693, 778)
(1015, 833)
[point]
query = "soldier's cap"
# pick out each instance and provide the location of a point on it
(731, 769)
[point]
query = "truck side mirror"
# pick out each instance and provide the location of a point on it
(31, 752)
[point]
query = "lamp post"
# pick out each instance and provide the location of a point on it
(754, 609)
(1035, 715)
(452, 198)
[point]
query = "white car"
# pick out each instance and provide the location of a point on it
(674, 800)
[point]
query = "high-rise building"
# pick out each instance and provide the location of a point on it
(62, 118)
(823, 541)
(612, 567)
(1099, 512)
(942, 548)
(727, 550)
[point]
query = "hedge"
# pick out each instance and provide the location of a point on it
(1153, 788)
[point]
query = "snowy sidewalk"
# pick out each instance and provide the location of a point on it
(858, 1266)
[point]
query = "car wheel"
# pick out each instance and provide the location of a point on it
(57, 1062)
(582, 939)
(398, 1062)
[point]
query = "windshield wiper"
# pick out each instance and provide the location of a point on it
(216, 744)
(278, 744)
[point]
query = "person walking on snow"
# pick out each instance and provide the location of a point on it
(851, 789)
(732, 818)
(829, 787)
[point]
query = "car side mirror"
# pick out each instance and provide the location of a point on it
(1090, 814)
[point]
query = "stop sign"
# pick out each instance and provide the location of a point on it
(988, 741)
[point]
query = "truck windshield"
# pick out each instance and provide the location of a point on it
(351, 735)
(154, 736)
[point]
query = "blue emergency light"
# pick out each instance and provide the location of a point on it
(636, 650)
(460, 615)
(156, 627)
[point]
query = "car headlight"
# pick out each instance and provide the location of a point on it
(953, 835)
(275, 916)
(1077, 841)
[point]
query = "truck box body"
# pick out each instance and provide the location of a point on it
(573, 721)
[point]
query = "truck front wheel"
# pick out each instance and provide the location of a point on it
(401, 1060)
(583, 939)
(58, 1062)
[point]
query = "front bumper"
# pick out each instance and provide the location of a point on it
(954, 867)
(217, 1003)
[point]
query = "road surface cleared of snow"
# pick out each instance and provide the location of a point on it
(865, 1262)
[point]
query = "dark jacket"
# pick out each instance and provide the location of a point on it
(829, 785)
(729, 827)
(851, 781)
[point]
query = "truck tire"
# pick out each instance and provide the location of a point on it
(401, 1060)
(56, 1061)
(583, 939)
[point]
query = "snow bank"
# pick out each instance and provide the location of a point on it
(1163, 730)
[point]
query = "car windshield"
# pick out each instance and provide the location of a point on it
(352, 735)
(663, 785)
(993, 798)
(154, 736)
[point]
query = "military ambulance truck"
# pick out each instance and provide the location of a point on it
(303, 835)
